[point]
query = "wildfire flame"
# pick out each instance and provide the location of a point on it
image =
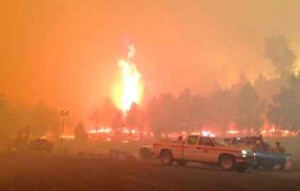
(131, 88)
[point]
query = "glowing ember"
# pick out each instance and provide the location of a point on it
(133, 131)
(233, 132)
(131, 88)
(204, 133)
(101, 130)
(272, 132)
(208, 134)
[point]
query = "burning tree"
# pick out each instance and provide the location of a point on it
(80, 133)
(130, 90)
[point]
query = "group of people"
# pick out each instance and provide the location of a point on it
(265, 147)
(278, 154)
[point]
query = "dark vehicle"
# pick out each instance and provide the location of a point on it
(41, 145)
(263, 154)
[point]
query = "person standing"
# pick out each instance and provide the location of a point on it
(280, 153)
(278, 149)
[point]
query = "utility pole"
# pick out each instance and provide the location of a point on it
(64, 115)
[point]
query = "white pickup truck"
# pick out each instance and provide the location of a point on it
(197, 148)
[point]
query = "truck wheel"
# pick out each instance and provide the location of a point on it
(227, 162)
(182, 162)
(166, 158)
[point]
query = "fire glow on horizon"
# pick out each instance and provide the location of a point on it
(130, 89)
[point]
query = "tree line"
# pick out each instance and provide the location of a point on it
(36, 120)
(273, 100)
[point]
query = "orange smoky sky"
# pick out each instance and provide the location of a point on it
(65, 52)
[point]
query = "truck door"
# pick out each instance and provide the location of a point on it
(206, 150)
(190, 148)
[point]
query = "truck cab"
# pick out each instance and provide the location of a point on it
(203, 149)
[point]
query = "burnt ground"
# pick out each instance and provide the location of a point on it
(43, 172)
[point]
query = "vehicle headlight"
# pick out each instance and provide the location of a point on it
(244, 153)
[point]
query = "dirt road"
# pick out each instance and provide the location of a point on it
(43, 172)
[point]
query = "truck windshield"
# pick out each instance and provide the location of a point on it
(220, 141)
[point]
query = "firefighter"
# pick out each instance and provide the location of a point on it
(258, 147)
(278, 149)
(280, 154)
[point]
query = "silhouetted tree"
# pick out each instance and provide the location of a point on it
(285, 110)
(108, 111)
(221, 109)
(183, 111)
(279, 52)
(189, 111)
(103, 115)
(5, 122)
(162, 114)
(42, 120)
(117, 122)
(80, 133)
(249, 108)
(133, 116)
(96, 118)
(274, 116)
(236, 88)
